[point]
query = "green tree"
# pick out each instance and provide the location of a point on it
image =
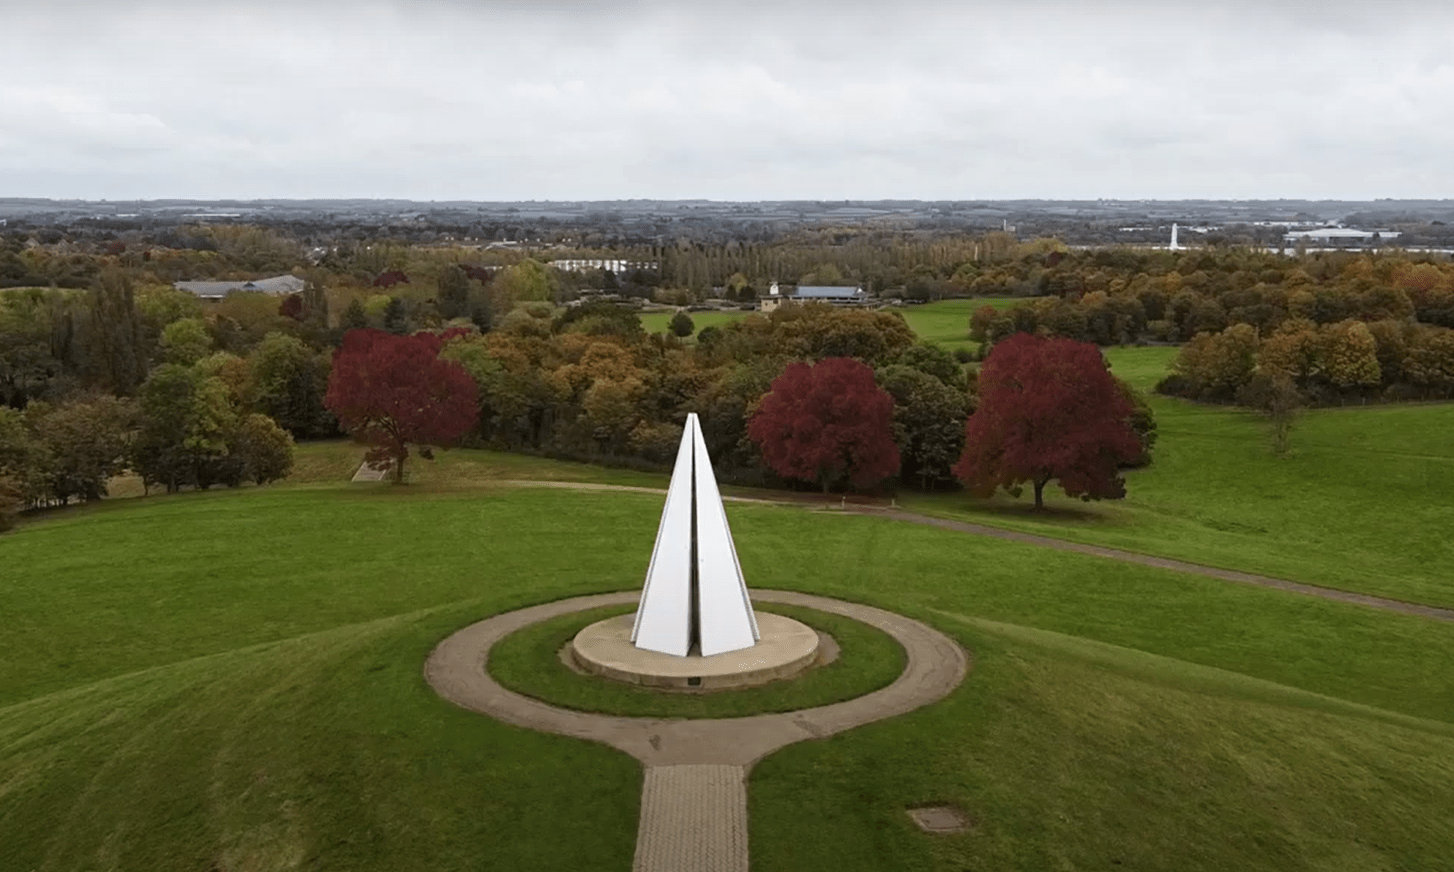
(117, 360)
(1349, 354)
(396, 316)
(27, 366)
(84, 443)
(1217, 364)
(929, 418)
(453, 299)
(354, 317)
(1276, 397)
(185, 419)
(22, 463)
(254, 315)
(264, 449)
(473, 353)
(526, 281)
(288, 384)
(185, 341)
(315, 306)
(681, 324)
(159, 305)
(931, 359)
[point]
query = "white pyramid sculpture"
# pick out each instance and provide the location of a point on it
(694, 592)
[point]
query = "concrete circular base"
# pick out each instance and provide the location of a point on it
(786, 648)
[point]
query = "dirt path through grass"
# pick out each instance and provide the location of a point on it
(897, 514)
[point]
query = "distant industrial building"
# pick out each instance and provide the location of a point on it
(278, 285)
(1341, 236)
(836, 295)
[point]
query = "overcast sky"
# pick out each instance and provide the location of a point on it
(727, 100)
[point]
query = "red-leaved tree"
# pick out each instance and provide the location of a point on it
(1048, 410)
(389, 278)
(826, 423)
(393, 391)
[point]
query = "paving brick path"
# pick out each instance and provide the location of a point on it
(694, 801)
(693, 819)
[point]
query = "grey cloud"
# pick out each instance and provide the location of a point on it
(565, 100)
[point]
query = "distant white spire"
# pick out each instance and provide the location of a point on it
(694, 591)
(1174, 246)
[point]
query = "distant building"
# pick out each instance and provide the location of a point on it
(615, 266)
(278, 285)
(836, 295)
(1341, 236)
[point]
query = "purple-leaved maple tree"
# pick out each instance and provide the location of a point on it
(827, 423)
(393, 391)
(1049, 410)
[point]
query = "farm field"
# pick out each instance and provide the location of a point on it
(231, 679)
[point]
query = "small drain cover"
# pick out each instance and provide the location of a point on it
(941, 819)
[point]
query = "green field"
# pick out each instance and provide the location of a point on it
(1350, 506)
(947, 322)
(231, 680)
(656, 322)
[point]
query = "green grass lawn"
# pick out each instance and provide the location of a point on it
(529, 662)
(232, 680)
(1141, 366)
(657, 322)
(1357, 503)
(947, 322)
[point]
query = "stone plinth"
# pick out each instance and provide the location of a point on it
(786, 648)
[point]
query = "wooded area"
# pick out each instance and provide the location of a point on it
(104, 366)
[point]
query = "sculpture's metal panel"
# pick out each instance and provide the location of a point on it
(725, 612)
(663, 619)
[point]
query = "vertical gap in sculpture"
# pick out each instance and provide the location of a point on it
(694, 617)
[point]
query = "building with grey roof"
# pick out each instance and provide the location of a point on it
(836, 295)
(277, 285)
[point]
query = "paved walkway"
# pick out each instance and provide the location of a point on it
(368, 473)
(695, 769)
(693, 819)
(896, 514)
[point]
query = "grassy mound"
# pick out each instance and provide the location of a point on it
(1074, 755)
(232, 680)
(1352, 506)
(324, 751)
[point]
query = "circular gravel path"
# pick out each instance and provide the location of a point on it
(456, 670)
